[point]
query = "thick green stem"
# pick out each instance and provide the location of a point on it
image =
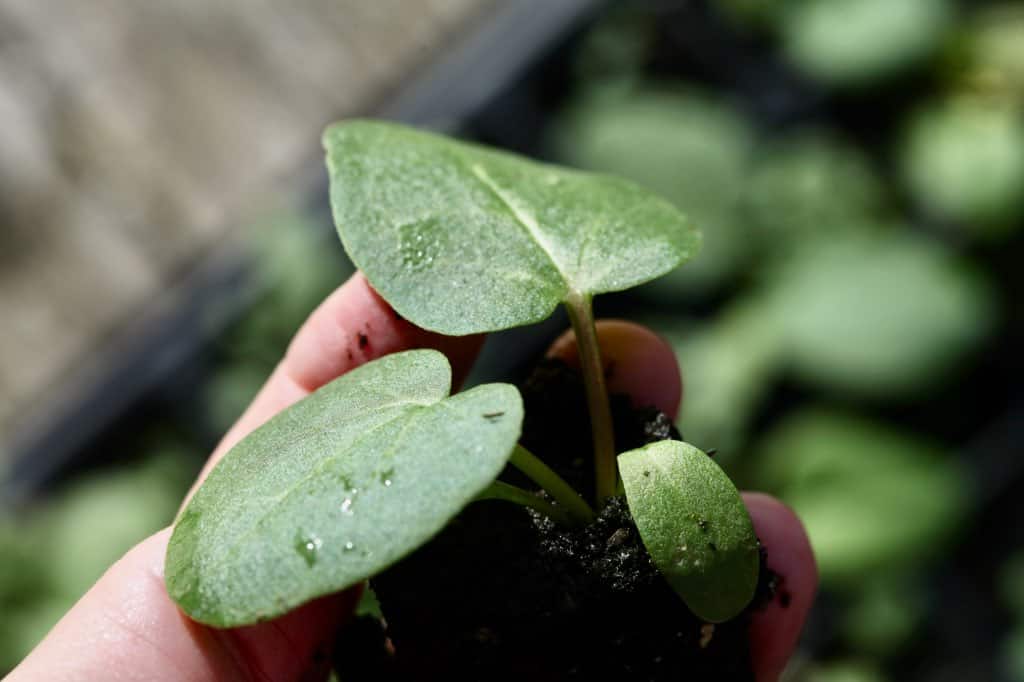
(605, 471)
(563, 493)
(510, 493)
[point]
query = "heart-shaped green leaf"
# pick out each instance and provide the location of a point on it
(463, 239)
(694, 525)
(337, 487)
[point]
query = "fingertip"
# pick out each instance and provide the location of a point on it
(355, 325)
(638, 363)
(775, 630)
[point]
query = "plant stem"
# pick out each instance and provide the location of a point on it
(541, 474)
(605, 470)
(510, 493)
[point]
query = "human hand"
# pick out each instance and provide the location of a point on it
(127, 628)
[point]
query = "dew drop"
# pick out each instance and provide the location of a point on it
(346, 506)
(387, 477)
(681, 557)
(349, 546)
(418, 243)
(308, 546)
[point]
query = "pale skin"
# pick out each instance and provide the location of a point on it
(127, 628)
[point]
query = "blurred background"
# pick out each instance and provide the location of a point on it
(850, 336)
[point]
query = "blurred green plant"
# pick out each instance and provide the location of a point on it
(883, 314)
(854, 43)
(963, 160)
(729, 366)
(297, 266)
(102, 515)
(853, 670)
(1012, 654)
(883, 614)
(994, 50)
(1011, 584)
(1010, 588)
(750, 14)
(617, 47)
(810, 184)
(873, 500)
(295, 272)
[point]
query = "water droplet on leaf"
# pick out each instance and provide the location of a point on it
(308, 546)
(418, 243)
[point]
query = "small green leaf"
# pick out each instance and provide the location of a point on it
(695, 526)
(463, 239)
(337, 487)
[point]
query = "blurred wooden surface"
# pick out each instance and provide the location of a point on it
(134, 135)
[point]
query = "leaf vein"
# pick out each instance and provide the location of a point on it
(523, 217)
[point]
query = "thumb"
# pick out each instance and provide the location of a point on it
(127, 627)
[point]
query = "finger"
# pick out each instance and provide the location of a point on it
(775, 631)
(353, 326)
(637, 362)
(126, 628)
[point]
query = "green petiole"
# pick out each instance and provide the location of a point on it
(605, 470)
(510, 493)
(541, 474)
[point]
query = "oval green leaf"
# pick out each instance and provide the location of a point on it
(694, 525)
(461, 239)
(337, 487)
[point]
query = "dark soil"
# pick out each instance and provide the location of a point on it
(503, 593)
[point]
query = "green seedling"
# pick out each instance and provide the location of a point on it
(459, 239)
